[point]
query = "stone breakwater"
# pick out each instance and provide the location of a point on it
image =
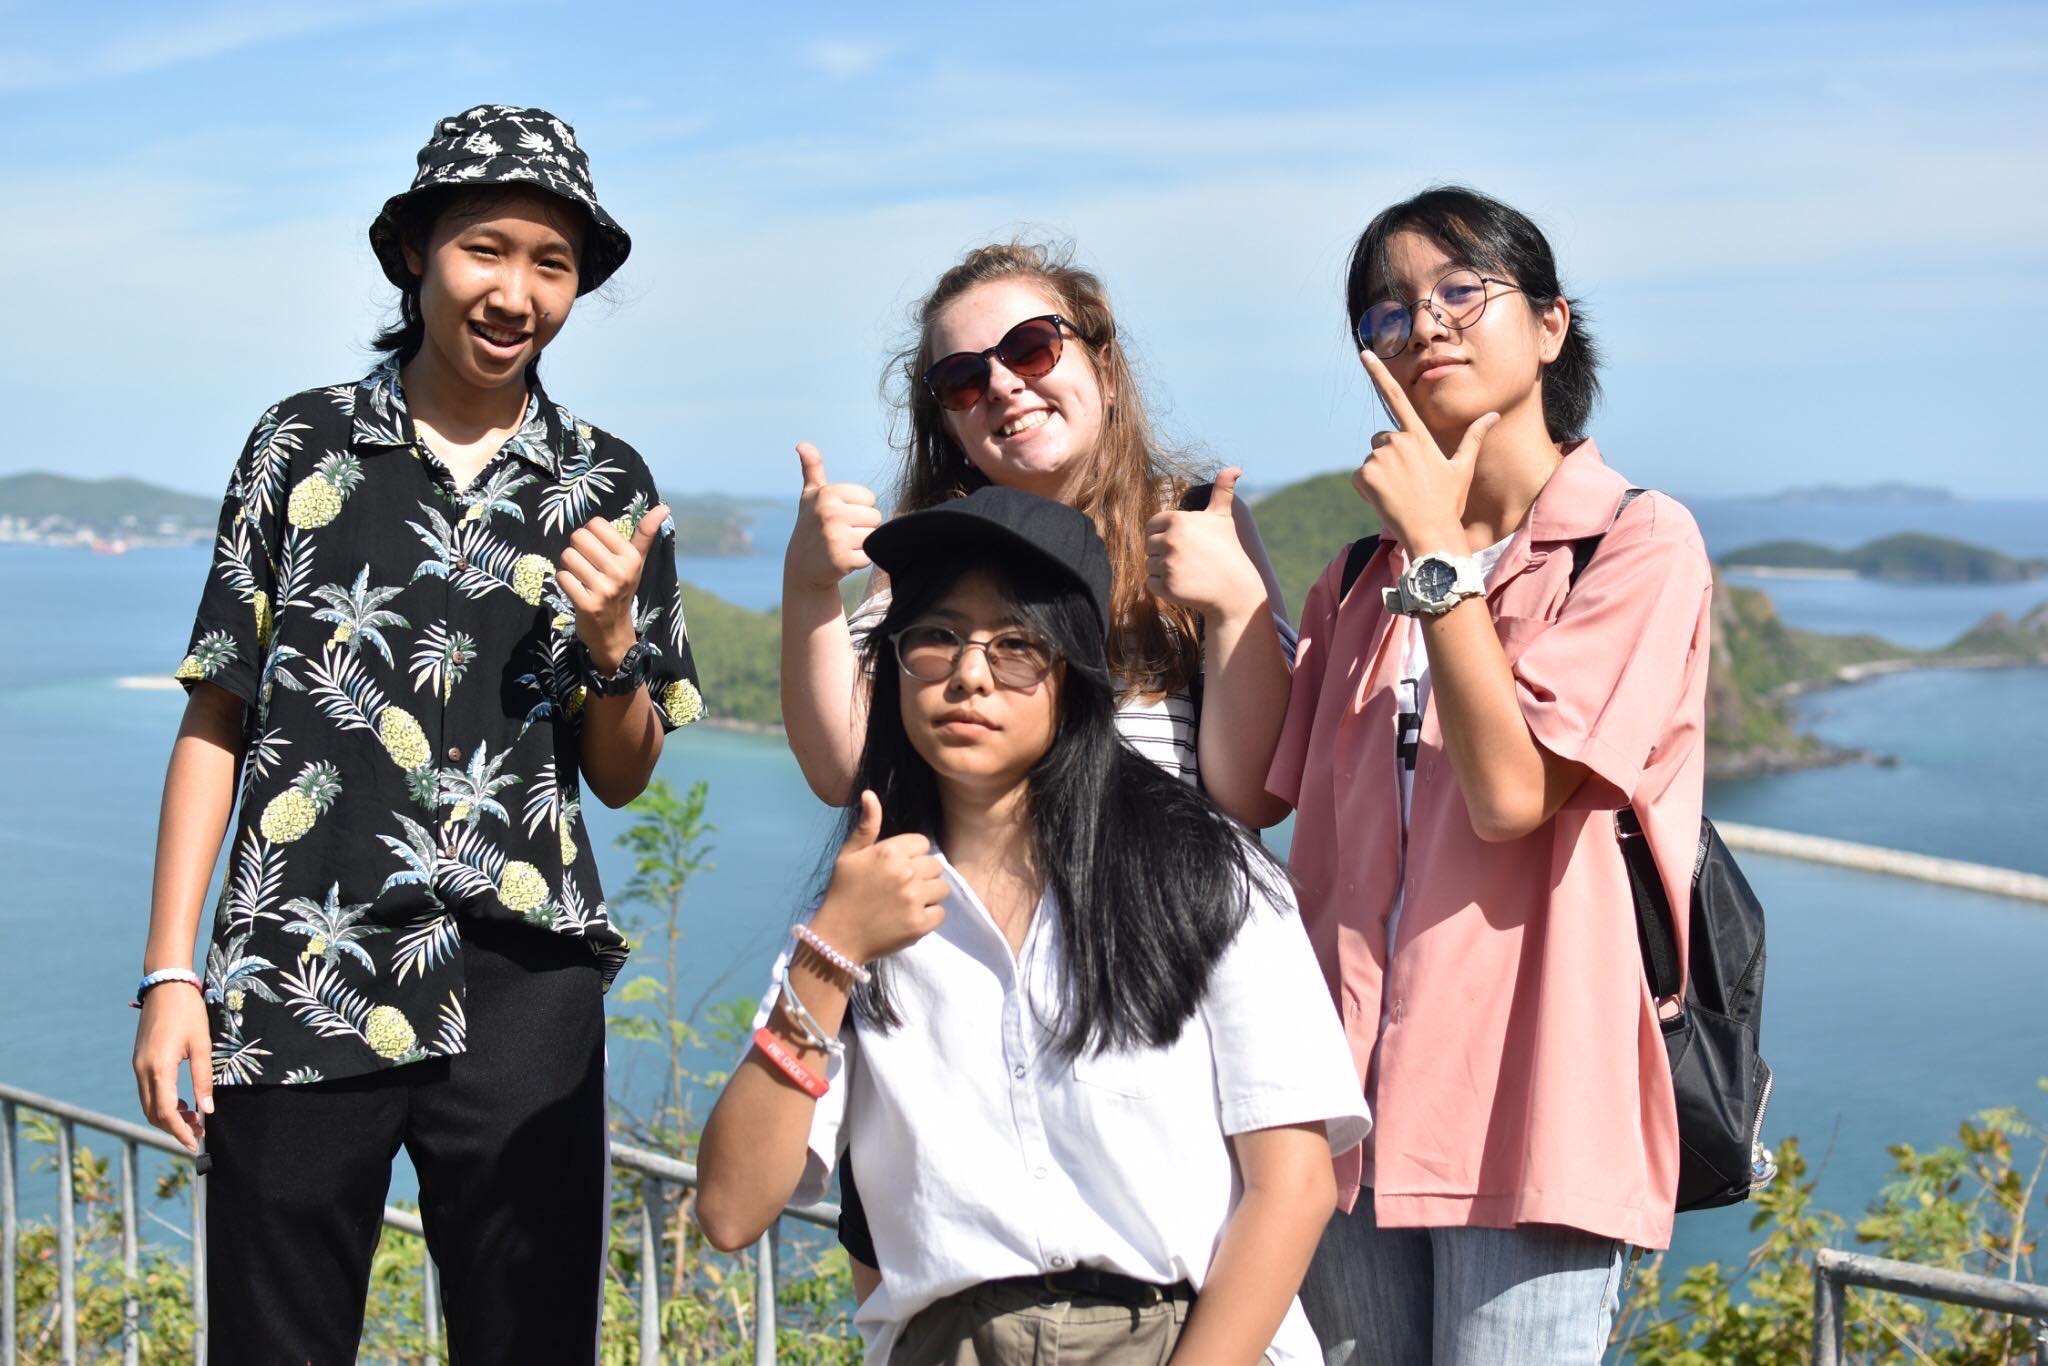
(1946, 872)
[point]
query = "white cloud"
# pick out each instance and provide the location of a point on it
(843, 58)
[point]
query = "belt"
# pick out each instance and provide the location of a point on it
(1095, 1283)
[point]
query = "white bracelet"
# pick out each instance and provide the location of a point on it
(163, 975)
(831, 955)
(807, 1024)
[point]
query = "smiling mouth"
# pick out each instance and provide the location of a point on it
(1025, 423)
(504, 338)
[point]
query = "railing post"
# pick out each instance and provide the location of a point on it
(199, 1310)
(1828, 1309)
(10, 1235)
(67, 1245)
(430, 1296)
(650, 1269)
(131, 1262)
(764, 1297)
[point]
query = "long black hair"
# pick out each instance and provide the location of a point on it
(1153, 881)
(1481, 232)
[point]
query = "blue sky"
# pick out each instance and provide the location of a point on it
(1809, 236)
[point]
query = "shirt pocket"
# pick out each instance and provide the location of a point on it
(1120, 1073)
(1517, 634)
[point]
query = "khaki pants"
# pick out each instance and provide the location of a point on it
(1012, 1325)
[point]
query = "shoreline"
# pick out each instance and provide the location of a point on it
(1813, 753)
(1849, 674)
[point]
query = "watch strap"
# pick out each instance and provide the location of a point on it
(631, 673)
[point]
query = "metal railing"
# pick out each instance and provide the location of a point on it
(1834, 1272)
(659, 1173)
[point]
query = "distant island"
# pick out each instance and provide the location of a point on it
(124, 514)
(1908, 557)
(1885, 494)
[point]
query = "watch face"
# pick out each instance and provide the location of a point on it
(1433, 579)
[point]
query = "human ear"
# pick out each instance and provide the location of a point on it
(1553, 324)
(415, 261)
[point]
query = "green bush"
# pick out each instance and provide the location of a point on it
(1966, 1206)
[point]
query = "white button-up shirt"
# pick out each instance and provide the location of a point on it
(983, 1154)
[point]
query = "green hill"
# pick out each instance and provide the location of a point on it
(1305, 524)
(1908, 557)
(102, 502)
(738, 656)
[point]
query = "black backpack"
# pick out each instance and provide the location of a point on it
(1720, 1080)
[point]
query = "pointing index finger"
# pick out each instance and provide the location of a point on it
(1391, 393)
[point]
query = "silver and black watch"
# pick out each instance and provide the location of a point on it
(1433, 585)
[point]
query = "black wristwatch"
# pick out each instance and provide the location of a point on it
(631, 673)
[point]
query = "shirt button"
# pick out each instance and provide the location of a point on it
(462, 561)
(1040, 1173)
(1059, 1261)
(1018, 1071)
(455, 754)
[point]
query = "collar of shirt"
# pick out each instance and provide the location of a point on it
(383, 422)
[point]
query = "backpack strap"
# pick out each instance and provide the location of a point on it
(1355, 560)
(1196, 499)
(1653, 912)
(1655, 934)
(1585, 547)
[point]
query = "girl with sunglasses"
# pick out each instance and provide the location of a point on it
(1018, 378)
(1092, 1113)
(1466, 722)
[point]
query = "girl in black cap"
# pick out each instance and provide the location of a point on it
(437, 598)
(1096, 1082)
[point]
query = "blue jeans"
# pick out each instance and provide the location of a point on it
(1460, 1296)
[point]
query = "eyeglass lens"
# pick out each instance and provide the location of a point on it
(931, 653)
(1457, 301)
(1030, 349)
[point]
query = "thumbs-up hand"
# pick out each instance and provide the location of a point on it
(885, 894)
(832, 523)
(1196, 559)
(600, 572)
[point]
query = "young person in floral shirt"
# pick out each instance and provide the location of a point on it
(437, 598)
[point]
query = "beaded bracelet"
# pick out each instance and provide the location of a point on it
(161, 976)
(807, 1024)
(777, 1052)
(816, 943)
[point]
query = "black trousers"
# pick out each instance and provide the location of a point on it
(509, 1142)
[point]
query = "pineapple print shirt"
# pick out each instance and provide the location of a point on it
(413, 685)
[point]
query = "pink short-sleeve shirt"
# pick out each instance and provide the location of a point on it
(1522, 1074)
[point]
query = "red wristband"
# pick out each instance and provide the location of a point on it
(777, 1052)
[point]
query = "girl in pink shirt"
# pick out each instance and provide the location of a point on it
(1464, 723)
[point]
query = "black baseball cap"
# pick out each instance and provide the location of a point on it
(1005, 520)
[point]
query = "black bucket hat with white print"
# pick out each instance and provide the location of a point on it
(502, 144)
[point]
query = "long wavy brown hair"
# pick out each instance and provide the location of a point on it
(1127, 479)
